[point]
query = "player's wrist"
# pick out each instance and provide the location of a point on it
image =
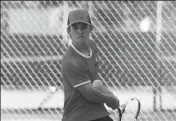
(113, 103)
(116, 104)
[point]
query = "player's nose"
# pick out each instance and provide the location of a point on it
(80, 31)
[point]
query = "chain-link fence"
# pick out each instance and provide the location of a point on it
(136, 40)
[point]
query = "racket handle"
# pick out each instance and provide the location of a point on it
(120, 114)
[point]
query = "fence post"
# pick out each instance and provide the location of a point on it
(158, 41)
(65, 18)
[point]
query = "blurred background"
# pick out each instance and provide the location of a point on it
(137, 44)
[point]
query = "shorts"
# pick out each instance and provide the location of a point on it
(107, 118)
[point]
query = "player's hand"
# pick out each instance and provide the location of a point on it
(98, 84)
(115, 105)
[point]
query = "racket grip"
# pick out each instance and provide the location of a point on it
(120, 114)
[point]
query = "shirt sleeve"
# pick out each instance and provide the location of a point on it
(78, 74)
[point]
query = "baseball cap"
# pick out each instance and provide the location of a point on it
(78, 15)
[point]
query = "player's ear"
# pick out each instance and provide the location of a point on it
(68, 30)
(91, 27)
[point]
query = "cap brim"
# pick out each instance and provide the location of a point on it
(78, 22)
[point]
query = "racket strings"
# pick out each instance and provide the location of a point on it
(129, 114)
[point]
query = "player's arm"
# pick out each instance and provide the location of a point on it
(98, 84)
(80, 80)
(95, 95)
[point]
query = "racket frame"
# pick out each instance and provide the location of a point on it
(122, 108)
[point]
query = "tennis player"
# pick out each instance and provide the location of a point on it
(85, 96)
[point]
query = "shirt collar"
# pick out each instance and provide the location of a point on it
(85, 56)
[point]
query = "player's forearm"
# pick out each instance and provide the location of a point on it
(106, 91)
(98, 85)
(99, 97)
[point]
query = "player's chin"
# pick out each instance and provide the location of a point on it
(83, 42)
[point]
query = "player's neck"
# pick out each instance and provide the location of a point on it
(84, 51)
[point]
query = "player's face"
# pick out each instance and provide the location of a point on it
(79, 33)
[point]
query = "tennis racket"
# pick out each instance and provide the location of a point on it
(126, 113)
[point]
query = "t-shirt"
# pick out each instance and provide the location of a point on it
(77, 71)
